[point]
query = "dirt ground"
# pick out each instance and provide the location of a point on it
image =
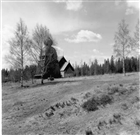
(56, 107)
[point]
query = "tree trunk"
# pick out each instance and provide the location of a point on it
(123, 67)
(123, 62)
(21, 63)
(21, 77)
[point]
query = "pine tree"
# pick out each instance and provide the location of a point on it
(112, 66)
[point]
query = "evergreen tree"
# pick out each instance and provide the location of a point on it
(92, 69)
(112, 65)
(95, 67)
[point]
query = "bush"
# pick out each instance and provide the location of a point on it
(137, 122)
(93, 103)
(87, 95)
(89, 132)
(90, 105)
(105, 99)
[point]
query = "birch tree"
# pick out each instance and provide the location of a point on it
(136, 35)
(40, 34)
(19, 46)
(135, 40)
(122, 42)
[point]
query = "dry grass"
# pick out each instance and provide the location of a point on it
(57, 107)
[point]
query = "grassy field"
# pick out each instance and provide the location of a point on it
(96, 105)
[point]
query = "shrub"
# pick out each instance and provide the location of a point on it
(137, 122)
(74, 99)
(87, 95)
(90, 105)
(105, 99)
(89, 132)
(93, 103)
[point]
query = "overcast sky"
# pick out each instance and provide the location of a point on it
(84, 30)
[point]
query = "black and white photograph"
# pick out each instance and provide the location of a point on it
(70, 67)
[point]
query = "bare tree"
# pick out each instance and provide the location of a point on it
(136, 34)
(122, 42)
(40, 34)
(42, 51)
(135, 40)
(19, 48)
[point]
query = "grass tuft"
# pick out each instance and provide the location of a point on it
(113, 90)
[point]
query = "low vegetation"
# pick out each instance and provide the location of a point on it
(89, 132)
(93, 103)
(103, 99)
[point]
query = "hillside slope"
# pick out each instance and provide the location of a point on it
(57, 107)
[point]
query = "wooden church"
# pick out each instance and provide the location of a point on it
(66, 68)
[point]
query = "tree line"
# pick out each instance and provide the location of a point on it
(109, 66)
(14, 75)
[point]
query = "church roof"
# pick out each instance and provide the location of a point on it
(64, 66)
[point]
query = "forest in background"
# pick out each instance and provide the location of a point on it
(108, 67)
